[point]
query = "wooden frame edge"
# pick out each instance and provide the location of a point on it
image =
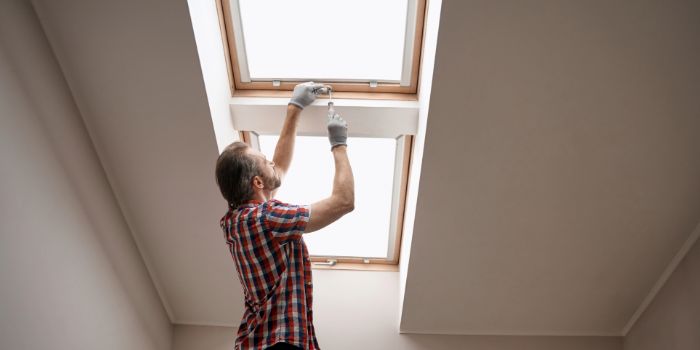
(338, 95)
(418, 38)
(342, 260)
(245, 137)
(337, 87)
(358, 267)
(226, 7)
(405, 183)
(224, 40)
(422, 49)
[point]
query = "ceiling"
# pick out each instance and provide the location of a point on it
(561, 165)
(559, 175)
(134, 71)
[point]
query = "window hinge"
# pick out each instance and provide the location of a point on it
(366, 260)
(373, 83)
(276, 82)
(329, 263)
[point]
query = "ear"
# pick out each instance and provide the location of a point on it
(258, 182)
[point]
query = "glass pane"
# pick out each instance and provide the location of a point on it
(365, 231)
(324, 39)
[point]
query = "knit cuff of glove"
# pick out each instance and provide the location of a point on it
(334, 145)
(296, 104)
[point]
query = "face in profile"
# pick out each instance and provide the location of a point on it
(271, 181)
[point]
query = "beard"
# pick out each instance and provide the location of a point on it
(271, 182)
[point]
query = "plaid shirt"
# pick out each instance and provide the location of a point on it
(274, 269)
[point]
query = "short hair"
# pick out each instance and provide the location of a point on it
(235, 171)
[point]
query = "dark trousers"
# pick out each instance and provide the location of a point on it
(284, 346)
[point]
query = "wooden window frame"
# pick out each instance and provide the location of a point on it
(355, 263)
(383, 91)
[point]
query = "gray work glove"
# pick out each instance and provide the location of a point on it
(337, 129)
(305, 93)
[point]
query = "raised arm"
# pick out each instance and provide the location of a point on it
(284, 150)
(302, 96)
(342, 199)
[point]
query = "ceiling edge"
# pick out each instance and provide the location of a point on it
(662, 280)
(214, 324)
(514, 333)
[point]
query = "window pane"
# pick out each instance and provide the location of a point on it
(365, 231)
(324, 39)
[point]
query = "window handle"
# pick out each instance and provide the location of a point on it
(329, 263)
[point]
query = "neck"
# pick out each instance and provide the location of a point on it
(262, 196)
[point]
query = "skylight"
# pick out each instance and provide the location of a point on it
(364, 232)
(355, 46)
(330, 40)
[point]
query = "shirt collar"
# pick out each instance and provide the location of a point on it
(249, 204)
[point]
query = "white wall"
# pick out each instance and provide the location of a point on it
(72, 276)
(672, 320)
(432, 27)
(210, 48)
(359, 310)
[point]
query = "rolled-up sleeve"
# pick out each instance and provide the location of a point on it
(286, 222)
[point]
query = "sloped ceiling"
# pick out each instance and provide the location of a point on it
(560, 167)
(133, 68)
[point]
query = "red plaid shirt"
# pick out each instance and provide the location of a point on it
(274, 269)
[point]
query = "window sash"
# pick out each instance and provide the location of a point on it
(402, 162)
(410, 66)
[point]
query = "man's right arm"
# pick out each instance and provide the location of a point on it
(342, 200)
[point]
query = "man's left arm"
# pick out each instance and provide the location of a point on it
(303, 95)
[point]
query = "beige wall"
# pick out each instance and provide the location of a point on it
(360, 310)
(561, 164)
(72, 276)
(133, 70)
(672, 320)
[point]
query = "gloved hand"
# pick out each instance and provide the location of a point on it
(305, 93)
(337, 129)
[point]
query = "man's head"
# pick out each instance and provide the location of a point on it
(243, 173)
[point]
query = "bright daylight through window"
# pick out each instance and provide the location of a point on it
(365, 50)
(357, 40)
(364, 232)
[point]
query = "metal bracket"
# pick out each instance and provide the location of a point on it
(276, 82)
(329, 263)
(373, 83)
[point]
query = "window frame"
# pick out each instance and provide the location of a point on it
(357, 263)
(384, 91)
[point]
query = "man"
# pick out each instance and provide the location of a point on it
(265, 235)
